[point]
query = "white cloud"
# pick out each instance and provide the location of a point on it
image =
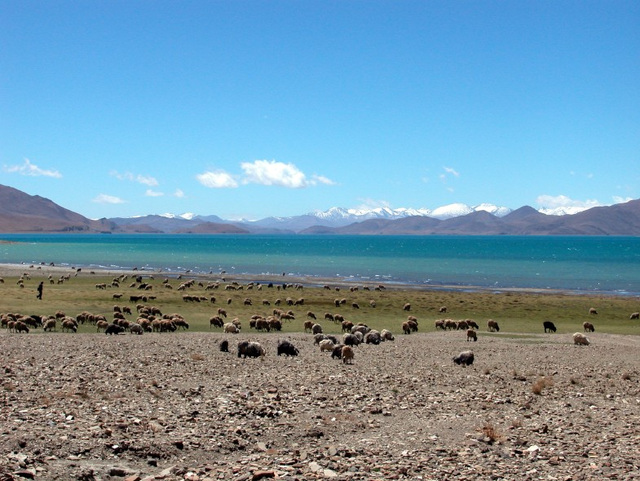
(141, 179)
(271, 172)
(217, 179)
(27, 168)
(321, 179)
(153, 193)
(553, 202)
(108, 199)
(178, 193)
(451, 171)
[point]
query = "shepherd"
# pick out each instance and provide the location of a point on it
(40, 287)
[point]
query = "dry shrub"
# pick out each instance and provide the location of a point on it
(626, 376)
(491, 433)
(540, 384)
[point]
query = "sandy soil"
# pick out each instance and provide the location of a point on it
(173, 407)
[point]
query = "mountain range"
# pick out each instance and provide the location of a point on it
(21, 212)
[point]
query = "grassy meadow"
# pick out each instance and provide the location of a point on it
(516, 312)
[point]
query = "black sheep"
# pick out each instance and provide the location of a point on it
(224, 346)
(250, 349)
(286, 348)
(113, 329)
(549, 326)
(465, 358)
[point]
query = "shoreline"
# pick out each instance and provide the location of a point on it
(45, 270)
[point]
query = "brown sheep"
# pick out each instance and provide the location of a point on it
(588, 327)
(493, 326)
(316, 329)
(635, 315)
(347, 355)
(593, 311)
(407, 307)
(442, 310)
(471, 335)
(440, 324)
(308, 326)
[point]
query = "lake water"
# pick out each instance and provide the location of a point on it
(580, 264)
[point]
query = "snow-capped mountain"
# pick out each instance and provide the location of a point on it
(185, 216)
(338, 215)
(563, 210)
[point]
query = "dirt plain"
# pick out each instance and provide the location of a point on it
(173, 407)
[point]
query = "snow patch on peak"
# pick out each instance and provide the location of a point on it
(492, 209)
(451, 210)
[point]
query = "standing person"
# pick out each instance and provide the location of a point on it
(40, 287)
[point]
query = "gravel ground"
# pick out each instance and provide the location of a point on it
(173, 407)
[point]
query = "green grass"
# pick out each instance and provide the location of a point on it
(516, 312)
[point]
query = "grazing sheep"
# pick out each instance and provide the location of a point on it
(136, 329)
(113, 329)
(337, 351)
(311, 315)
(440, 324)
(286, 348)
(373, 337)
(442, 310)
(407, 307)
(462, 325)
(465, 358)
(472, 324)
(406, 328)
(231, 328)
(493, 326)
(69, 324)
(355, 305)
(224, 346)
(363, 328)
(101, 325)
(347, 355)
(20, 326)
(593, 311)
(635, 315)
(372, 303)
(549, 326)
(347, 326)
(308, 326)
(386, 335)
(580, 339)
(350, 340)
(588, 327)
(471, 335)
(250, 349)
(316, 329)
(216, 321)
(326, 345)
(50, 325)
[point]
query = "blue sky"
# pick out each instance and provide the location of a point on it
(247, 109)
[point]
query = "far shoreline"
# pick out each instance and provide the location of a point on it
(45, 270)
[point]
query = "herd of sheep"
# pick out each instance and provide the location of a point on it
(151, 319)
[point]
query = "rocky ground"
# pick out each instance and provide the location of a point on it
(173, 407)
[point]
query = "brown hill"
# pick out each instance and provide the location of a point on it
(21, 212)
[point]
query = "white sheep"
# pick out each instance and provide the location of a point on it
(580, 339)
